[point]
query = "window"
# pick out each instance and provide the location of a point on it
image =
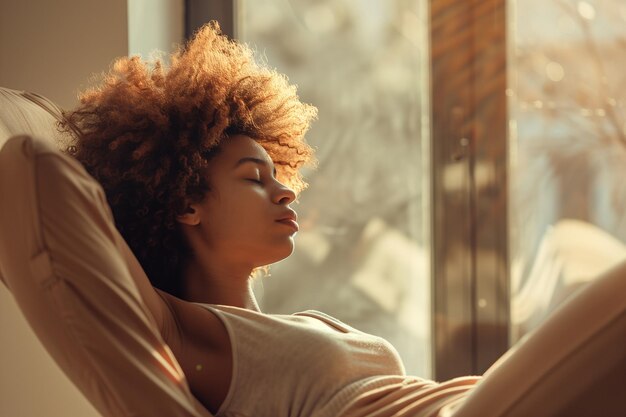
(362, 254)
(568, 150)
(471, 164)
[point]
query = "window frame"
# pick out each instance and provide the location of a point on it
(470, 185)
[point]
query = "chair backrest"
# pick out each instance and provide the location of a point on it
(24, 112)
(33, 370)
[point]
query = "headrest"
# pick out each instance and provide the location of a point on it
(22, 112)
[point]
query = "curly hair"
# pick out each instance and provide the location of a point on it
(147, 134)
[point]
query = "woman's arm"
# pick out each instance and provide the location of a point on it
(155, 302)
(65, 264)
(573, 364)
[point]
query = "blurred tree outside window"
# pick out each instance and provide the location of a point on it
(362, 253)
(364, 250)
(567, 108)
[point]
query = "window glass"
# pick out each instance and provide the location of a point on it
(567, 101)
(362, 253)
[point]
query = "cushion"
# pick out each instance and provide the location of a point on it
(22, 112)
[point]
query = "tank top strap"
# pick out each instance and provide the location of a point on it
(329, 320)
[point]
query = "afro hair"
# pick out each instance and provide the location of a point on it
(147, 133)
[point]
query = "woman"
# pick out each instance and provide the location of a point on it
(199, 164)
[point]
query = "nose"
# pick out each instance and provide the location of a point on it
(283, 194)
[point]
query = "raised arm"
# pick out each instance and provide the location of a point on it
(77, 284)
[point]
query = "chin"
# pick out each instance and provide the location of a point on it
(280, 253)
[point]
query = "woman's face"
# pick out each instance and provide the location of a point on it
(245, 218)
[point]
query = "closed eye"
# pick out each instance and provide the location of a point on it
(255, 180)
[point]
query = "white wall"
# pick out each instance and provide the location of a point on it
(53, 48)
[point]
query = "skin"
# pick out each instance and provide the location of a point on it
(234, 230)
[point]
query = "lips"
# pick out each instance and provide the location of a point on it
(289, 219)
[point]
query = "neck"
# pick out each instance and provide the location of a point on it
(202, 284)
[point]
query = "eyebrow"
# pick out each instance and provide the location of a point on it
(254, 160)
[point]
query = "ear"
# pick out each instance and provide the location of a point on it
(191, 217)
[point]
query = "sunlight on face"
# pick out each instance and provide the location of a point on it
(246, 215)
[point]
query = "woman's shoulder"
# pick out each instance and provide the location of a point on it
(225, 313)
(188, 321)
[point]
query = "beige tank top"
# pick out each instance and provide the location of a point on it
(307, 364)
